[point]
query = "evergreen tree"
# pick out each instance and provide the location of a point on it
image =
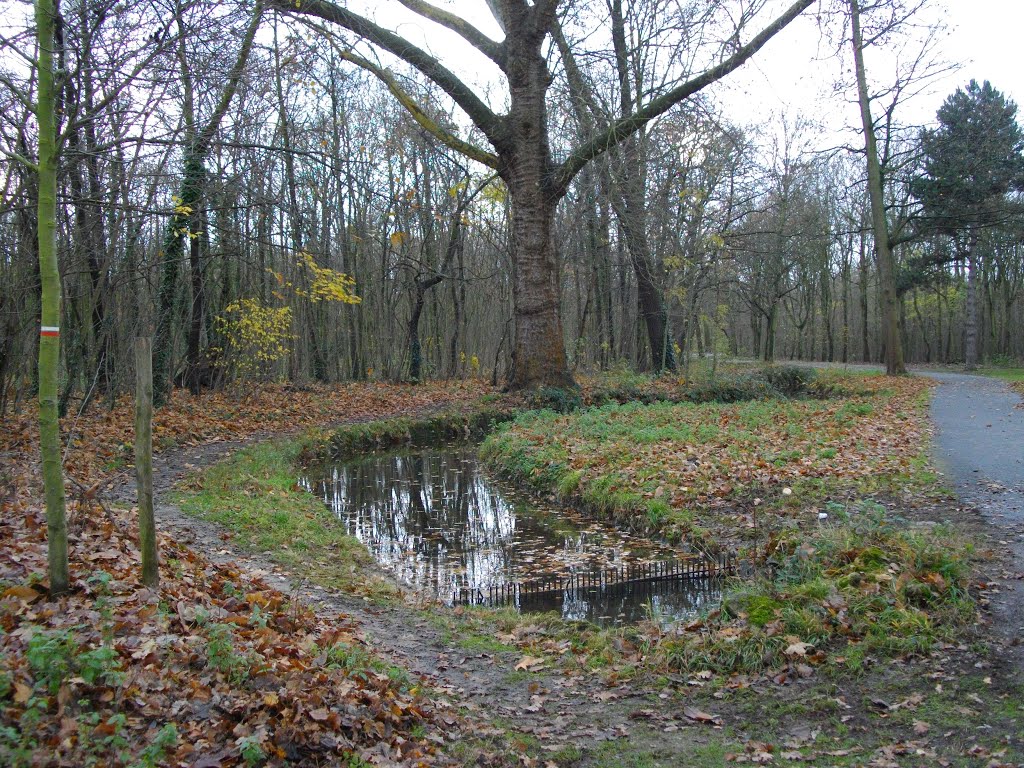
(972, 163)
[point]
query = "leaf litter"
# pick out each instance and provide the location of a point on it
(214, 668)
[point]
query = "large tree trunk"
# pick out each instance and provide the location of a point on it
(538, 352)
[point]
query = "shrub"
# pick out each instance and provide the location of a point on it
(789, 380)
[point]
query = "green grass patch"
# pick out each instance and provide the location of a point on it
(254, 495)
(667, 467)
(1010, 374)
(866, 587)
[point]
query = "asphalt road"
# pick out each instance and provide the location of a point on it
(980, 442)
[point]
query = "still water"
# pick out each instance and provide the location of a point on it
(435, 520)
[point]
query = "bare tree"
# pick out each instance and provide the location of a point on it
(521, 144)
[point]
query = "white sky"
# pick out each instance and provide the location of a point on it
(795, 73)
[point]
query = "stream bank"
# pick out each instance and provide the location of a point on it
(512, 676)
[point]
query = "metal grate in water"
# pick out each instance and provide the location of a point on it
(606, 582)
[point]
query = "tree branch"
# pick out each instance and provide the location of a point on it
(625, 127)
(489, 48)
(234, 77)
(419, 115)
(481, 115)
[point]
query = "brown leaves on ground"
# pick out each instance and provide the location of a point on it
(214, 669)
(237, 668)
(101, 440)
(714, 461)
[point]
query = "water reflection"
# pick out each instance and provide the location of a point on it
(663, 601)
(440, 525)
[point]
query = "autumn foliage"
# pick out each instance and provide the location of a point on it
(215, 669)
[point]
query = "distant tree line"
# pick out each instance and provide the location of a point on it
(250, 191)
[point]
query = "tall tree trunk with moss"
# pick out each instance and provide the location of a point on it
(49, 342)
(184, 222)
(894, 364)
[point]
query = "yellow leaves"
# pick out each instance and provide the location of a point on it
(398, 239)
(496, 192)
(323, 283)
(257, 335)
(326, 284)
(715, 240)
(180, 209)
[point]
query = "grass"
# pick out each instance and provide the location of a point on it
(1014, 376)
(254, 496)
(867, 587)
(693, 470)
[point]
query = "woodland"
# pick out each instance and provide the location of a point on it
(252, 237)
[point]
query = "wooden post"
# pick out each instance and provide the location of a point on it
(144, 459)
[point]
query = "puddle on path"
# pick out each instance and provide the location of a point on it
(435, 520)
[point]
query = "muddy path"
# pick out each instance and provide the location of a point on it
(552, 710)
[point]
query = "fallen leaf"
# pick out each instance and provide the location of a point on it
(699, 716)
(530, 663)
(798, 649)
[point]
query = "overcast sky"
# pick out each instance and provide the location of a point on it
(796, 73)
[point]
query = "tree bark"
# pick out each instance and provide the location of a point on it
(49, 337)
(894, 364)
(538, 350)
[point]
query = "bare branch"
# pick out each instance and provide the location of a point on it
(491, 49)
(481, 115)
(625, 127)
(419, 115)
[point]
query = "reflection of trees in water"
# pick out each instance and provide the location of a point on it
(439, 524)
(661, 600)
(430, 517)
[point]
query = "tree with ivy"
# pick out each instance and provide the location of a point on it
(973, 163)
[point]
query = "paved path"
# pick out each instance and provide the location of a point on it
(980, 441)
(980, 445)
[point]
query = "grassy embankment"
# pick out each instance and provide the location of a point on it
(722, 474)
(784, 481)
(256, 497)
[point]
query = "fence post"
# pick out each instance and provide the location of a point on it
(144, 459)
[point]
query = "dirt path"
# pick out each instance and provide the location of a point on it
(548, 708)
(980, 445)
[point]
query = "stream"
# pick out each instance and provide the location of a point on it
(444, 528)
